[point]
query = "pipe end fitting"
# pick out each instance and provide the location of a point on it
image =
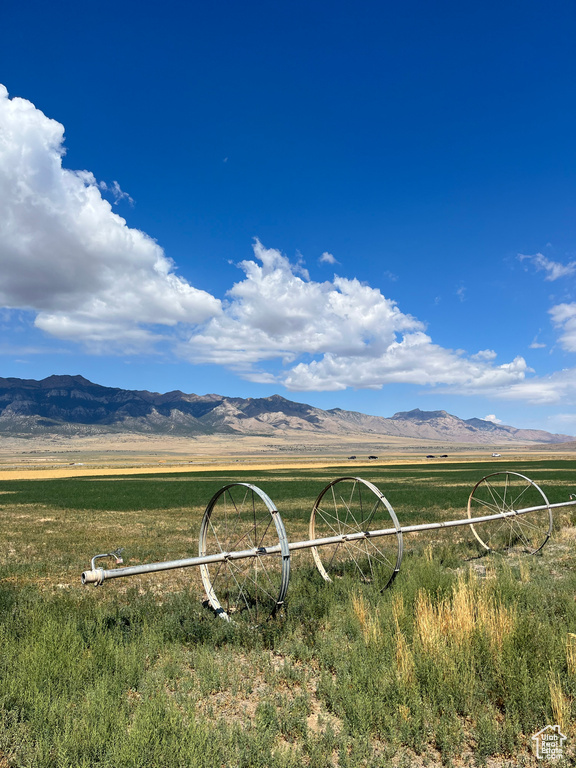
(95, 576)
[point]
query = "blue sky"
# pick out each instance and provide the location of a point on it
(364, 205)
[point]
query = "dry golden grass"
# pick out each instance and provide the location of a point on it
(560, 704)
(571, 653)
(398, 610)
(368, 618)
(454, 620)
(404, 660)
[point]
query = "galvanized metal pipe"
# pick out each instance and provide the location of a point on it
(99, 575)
(422, 527)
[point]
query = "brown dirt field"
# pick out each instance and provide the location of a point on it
(57, 457)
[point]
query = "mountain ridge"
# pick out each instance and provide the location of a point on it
(71, 404)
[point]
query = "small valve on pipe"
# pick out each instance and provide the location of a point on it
(96, 575)
(116, 554)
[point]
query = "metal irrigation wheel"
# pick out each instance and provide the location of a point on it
(506, 492)
(242, 517)
(351, 505)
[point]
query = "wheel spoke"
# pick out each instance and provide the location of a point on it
(519, 496)
(241, 517)
(380, 553)
(354, 506)
(510, 492)
(498, 500)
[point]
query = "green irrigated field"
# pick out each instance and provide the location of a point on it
(460, 662)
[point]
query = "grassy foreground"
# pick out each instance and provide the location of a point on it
(459, 663)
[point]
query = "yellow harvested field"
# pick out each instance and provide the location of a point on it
(59, 457)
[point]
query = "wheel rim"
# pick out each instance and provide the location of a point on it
(507, 492)
(352, 505)
(242, 517)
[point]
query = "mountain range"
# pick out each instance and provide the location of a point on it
(72, 405)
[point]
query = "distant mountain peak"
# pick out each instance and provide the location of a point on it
(72, 405)
(417, 415)
(65, 380)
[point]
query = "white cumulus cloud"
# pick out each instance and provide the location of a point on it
(278, 312)
(352, 335)
(564, 318)
(485, 354)
(558, 388)
(66, 255)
